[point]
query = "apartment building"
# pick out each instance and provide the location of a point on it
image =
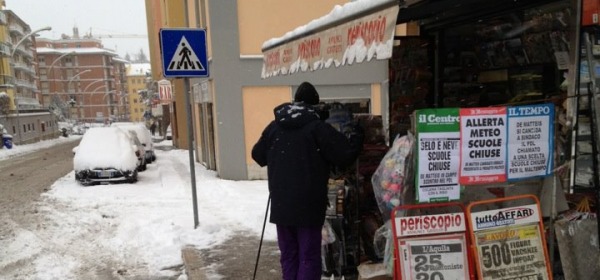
(21, 112)
(81, 80)
(137, 78)
(233, 105)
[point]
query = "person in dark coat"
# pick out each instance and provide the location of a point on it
(299, 149)
(153, 127)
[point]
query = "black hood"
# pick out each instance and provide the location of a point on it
(294, 115)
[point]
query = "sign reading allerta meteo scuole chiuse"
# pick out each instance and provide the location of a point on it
(432, 246)
(483, 145)
(471, 146)
(438, 158)
(509, 245)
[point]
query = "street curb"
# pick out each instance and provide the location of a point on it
(193, 263)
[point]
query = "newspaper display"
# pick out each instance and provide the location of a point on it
(530, 129)
(430, 224)
(483, 145)
(434, 258)
(438, 158)
(509, 243)
(512, 253)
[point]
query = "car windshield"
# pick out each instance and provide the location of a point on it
(104, 147)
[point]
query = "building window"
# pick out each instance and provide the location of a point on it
(43, 127)
(42, 60)
(135, 100)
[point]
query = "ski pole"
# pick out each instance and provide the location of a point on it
(261, 237)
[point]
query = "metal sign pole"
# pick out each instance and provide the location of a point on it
(184, 55)
(190, 129)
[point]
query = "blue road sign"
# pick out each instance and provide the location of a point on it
(184, 52)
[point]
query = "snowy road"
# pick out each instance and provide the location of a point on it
(84, 247)
(51, 227)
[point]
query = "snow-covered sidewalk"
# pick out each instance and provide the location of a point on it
(142, 226)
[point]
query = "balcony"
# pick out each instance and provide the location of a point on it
(4, 49)
(24, 51)
(28, 103)
(25, 84)
(18, 65)
(15, 28)
(3, 19)
(6, 81)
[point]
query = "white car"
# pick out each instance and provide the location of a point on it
(105, 155)
(144, 136)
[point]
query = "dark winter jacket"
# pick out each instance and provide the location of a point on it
(298, 150)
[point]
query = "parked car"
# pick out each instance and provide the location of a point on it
(140, 149)
(143, 134)
(105, 155)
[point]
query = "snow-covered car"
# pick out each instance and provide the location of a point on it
(143, 134)
(105, 155)
(140, 149)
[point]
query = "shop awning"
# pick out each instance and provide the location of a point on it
(364, 30)
(355, 32)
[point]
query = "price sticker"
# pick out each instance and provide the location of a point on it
(434, 258)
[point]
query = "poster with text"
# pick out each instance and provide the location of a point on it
(438, 140)
(513, 252)
(439, 257)
(483, 146)
(530, 141)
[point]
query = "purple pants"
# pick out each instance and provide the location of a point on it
(300, 252)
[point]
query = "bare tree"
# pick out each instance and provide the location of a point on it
(141, 57)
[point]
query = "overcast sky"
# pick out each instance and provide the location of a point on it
(118, 17)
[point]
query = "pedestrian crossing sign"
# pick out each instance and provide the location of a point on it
(184, 52)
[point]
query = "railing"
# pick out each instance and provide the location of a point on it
(24, 67)
(25, 52)
(29, 110)
(4, 49)
(6, 80)
(25, 83)
(3, 19)
(16, 28)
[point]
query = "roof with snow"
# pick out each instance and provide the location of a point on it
(338, 13)
(138, 69)
(76, 50)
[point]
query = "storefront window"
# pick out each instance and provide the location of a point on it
(508, 59)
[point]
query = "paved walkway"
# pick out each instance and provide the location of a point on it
(234, 259)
